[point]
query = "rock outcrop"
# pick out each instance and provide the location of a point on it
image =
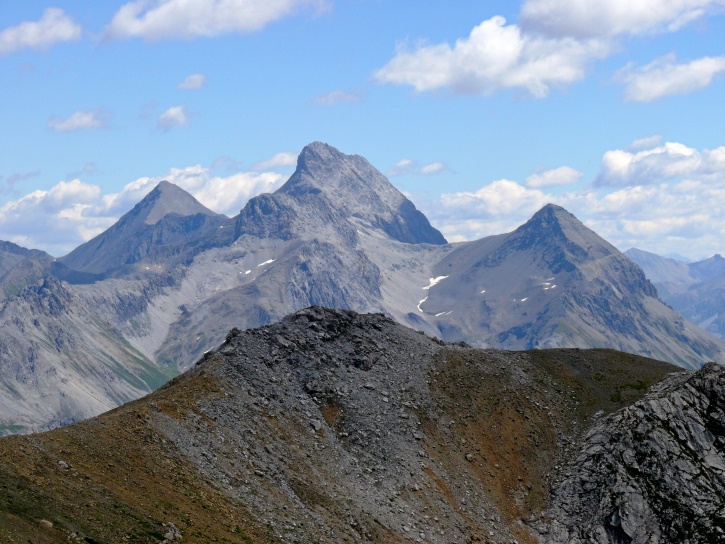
(652, 472)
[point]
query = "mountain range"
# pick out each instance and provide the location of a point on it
(144, 300)
(695, 290)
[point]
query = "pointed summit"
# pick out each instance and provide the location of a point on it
(164, 199)
(349, 181)
(554, 230)
(168, 216)
(331, 190)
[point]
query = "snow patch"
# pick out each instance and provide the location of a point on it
(524, 299)
(434, 281)
(266, 262)
(421, 302)
(247, 272)
(482, 292)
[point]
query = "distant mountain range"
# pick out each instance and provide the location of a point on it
(695, 290)
(147, 298)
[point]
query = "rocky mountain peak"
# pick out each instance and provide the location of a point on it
(168, 198)
(322, 168)
(167, 216)
(331, 189)
(553, 226)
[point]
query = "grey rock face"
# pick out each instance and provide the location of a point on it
(331, 189)
(59, 363)
(167, 227)
(20, 267)
(653, 472)
(554, 283)
(330, 426)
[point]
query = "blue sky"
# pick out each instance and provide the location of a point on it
(481, 112)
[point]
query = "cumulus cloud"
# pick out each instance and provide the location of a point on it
(493, 57)
(72, 212)
(432, 168)
(80, 120)
(50, 219)
(336, 97)
(563, 175)
(223, 194)
(587, 19)
(280, 160)
(498, 207)
(409, 166)
(175, 116)
(666, 199)
(193, 82)
(665, 77)
(500, 198)
(53, 27)
(666, 162)
(172, 19)
(402, 167)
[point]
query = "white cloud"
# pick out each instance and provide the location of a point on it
(669, 198)
(53, 27)
(563, 175)
(655, 165)
(280, 160)
(498, 207)
(432, 168)
(664, 77)
(170, 19)
(495, 56)
(586, 19)
(336, 97)
(500, 198)
(229, 194)
(49, 219)
(192, 82)
(175, 116)
(402, 167)
(70, 213)
(80, 120)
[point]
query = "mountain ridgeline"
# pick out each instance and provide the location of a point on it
(695, 290)
(148, 297)
(330, 426)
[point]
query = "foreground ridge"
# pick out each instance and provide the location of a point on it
(333, 426)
